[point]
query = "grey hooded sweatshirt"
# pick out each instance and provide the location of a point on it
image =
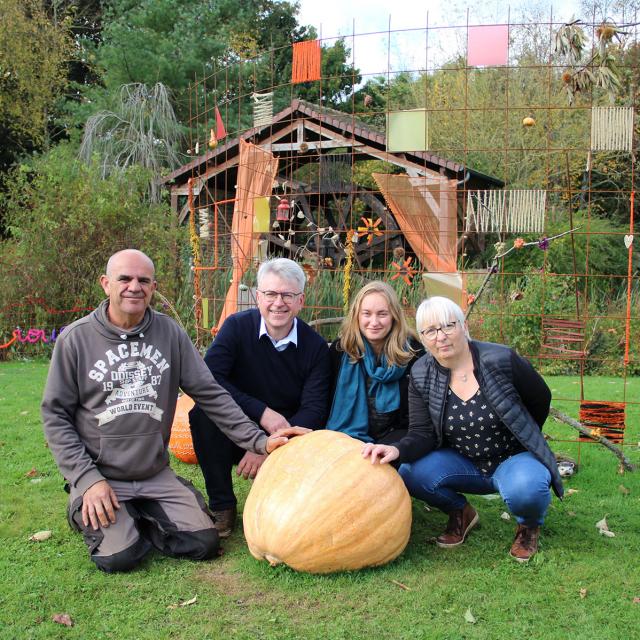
(111, 394)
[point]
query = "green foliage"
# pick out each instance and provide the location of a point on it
(33, 56)
(65, 221)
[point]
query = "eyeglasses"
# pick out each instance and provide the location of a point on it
(431, 333)
(287, 296)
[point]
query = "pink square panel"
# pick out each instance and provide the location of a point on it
(487, 46)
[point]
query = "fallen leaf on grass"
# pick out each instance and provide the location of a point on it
(505, 516)
(583, 593)
(40, 536)
(469, 617)
(570, 492)
(32, 473)
(636, 600)
(603, 528)
(572, 514)
(63, 618)
(24, 413)
(624, 491)
(186, 603)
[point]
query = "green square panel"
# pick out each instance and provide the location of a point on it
(407, 130)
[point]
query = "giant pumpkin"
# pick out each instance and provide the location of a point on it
(318, 506)
(180, 442)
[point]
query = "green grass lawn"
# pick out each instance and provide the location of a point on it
(580, 585)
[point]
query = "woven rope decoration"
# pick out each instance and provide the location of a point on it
(203, 218)
(606, 419)
(306, 61)
(262, 109)
(515, 211)
(611, 128)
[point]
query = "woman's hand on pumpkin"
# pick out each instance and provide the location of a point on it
(381, 453)
(250, 464)
(282, 436)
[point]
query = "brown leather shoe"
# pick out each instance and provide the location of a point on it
(225, 521)
(525, 544)
(461, 521)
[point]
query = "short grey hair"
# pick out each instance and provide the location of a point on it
(283, 268)
(439, 310)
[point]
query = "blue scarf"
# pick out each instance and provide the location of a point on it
(349, 411)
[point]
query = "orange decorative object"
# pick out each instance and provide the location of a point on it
(306, 61)
(405, 271)
(213, 141)
(180, 443)
(370, 228)
(518, 243)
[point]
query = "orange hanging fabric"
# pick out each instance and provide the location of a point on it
(306, 61)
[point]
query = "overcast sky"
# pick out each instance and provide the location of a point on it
(391, 34)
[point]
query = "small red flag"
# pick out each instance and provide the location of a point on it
(220, 130)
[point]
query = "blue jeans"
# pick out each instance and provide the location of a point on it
(522, 481)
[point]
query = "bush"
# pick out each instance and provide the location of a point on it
(64, 222)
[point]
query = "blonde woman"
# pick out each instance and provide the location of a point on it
(370, 365)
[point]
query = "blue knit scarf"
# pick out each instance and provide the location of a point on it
(349, 411)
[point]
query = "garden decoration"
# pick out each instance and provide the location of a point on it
(604, 418)
(306, 61)
(203, 220)
(180, 442)
(370, 228)
(404, 271)
(262, 109)
(318, 506)
(487, 45)
(563, 339)
(611, 128)
(511, 211)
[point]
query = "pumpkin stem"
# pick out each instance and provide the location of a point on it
(273, 561)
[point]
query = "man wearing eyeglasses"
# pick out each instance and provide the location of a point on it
(275, 367)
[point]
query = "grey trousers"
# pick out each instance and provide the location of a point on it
(164, 512)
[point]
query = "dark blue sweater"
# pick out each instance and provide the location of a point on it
(293, 382)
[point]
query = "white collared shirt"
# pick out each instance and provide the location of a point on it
(280, 345)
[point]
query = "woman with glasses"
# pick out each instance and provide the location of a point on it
(476, 413)
(370, 365)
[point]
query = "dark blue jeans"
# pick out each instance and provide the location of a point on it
(443, 475)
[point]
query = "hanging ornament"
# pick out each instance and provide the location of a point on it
(370, 229)
(404, 271)
(283, 210)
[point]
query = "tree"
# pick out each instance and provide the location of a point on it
(33, 56)
(142, 130)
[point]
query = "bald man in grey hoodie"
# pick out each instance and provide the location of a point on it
(107, 410)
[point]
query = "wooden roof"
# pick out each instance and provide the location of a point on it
(306, 130)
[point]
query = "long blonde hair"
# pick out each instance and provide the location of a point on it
(396, 347)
